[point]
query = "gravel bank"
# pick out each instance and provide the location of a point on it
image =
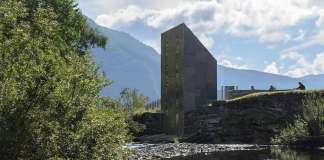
(158, 151)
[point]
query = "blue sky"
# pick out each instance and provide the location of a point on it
(276, 36)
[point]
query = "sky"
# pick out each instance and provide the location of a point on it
(276, 36)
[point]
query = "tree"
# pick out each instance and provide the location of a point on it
(134, 104)
(133, 101)
(49, 84)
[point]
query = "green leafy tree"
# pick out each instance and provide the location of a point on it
(134, 104)
(49, 85)
(104, 132)
(133, 101)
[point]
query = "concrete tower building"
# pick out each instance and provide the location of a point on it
(188, 76)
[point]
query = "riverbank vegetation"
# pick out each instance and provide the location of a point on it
(309, 126)
(50, 106)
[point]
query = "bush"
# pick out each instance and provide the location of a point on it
(314, 113)
(103, 135)
(133, 127)
(292, 133)
(310, 125)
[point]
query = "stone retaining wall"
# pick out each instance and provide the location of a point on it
(249, 120)
(152, 122)
(253, 120)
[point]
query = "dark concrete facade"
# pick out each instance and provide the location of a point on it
(188, 76)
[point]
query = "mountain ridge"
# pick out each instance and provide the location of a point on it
(128, 62)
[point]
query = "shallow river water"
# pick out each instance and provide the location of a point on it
(266, 154)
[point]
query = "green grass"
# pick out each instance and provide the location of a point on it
(274, 93)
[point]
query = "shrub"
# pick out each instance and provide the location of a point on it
(314, 113)
(103, 135)
(292, 133)
(133, 127)
(310, 125)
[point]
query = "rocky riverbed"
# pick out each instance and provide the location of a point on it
(169, 150)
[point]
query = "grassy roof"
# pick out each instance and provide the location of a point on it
(274, 93)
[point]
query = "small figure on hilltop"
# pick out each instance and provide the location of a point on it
(272, 88)
(301, 86)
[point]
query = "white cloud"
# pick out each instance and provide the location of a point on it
(301, 35)
(122, 17)
(319, 63)
(208, 41)
(301, 66)
(272, 68)
(94, 8)
(223, 59)
(317, 39)
(263, 19)
(227, 63)
(274, 37)
(155, 44)
(299, 58)
(297, 72)
(239, 58)
(320, 21)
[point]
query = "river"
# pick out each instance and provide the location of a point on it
(266, 154)
(191, 151)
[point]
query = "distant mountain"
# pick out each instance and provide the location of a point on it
(244, 79)
(130, 63)
(314, 81)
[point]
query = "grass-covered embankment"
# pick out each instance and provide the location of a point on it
(257, 118)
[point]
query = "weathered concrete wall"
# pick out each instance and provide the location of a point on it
(200, 73)
(172, 45)
(152, 122)
(189, 76)
(249, 120)
(254, 119)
